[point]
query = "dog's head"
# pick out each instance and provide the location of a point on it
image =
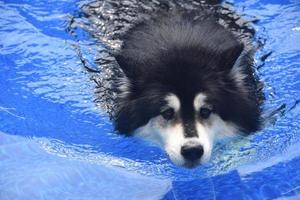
(184, 87)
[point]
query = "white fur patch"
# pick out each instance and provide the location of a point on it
(173, 141)
(152, 131)
(199, 101)
(168, 136)
(214, 128)
(222, 128)
(173, 102)
(205, 137)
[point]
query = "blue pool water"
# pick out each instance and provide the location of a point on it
(56, 143)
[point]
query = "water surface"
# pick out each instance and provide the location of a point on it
(56, 139)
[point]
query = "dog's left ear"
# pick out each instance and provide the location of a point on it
(230, 54)
(128, 65)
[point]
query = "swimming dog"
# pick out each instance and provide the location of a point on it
(188, 82)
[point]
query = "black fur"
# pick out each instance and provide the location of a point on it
(185, 53)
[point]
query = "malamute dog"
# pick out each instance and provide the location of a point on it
(188, 81)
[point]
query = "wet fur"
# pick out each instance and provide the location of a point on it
(185, 53)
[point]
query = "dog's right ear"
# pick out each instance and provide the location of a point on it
(123, 63)
(128, 65)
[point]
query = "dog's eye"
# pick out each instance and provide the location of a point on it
(168, 114)
(204, 113)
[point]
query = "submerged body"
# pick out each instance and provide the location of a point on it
(188, 80)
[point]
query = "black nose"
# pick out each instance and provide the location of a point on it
(192, 153)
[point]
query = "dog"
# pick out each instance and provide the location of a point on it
(188, 81)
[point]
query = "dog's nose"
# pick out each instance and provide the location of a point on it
(192, 153)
